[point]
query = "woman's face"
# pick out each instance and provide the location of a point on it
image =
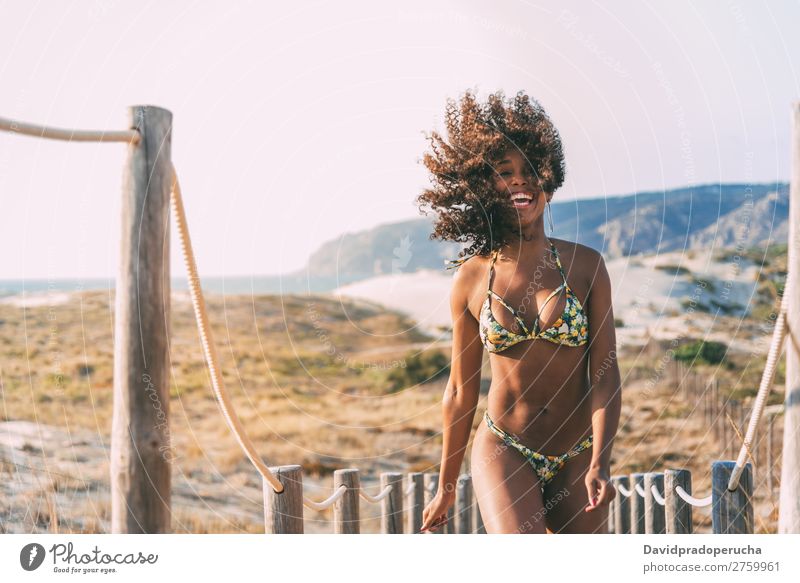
(514, 176)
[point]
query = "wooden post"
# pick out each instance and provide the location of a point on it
(677, 512)
(346, 508)
(610, 521)
(622, 506)
(726, 428)
(731, 512)
(789, 504)
(464, 497)
(141, 454)
(283, 511)
(637, 504)
(415, 502)
(392, 505)
(431, 485)
(654, 521)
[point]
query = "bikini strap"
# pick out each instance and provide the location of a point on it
(558, 262)
(491, 271)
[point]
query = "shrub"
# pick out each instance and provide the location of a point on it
(708, 352)
(421, 367)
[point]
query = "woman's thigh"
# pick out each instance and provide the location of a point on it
(506, 487)
(566, 497)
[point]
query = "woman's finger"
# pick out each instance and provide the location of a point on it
(602, 497)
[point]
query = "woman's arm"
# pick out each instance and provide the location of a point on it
(604, 377)
(460, 398)
(463, 387)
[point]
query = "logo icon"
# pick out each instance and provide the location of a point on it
(31, 556)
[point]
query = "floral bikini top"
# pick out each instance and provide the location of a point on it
(571, 328)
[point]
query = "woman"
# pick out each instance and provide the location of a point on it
(542, 309)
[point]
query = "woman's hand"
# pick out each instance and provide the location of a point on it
(599, 487)
(435, 513)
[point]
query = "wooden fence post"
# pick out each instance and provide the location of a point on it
(140, 464)
(392, 504)
(415, 502)
(654, 521)
(463, 515)
(677, 512)
(731, 512)
(622, 506)
(283, 511)
(346, 509)
(637, 504)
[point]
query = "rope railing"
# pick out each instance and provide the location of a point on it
(656, 496)
(209, 347)
(328, 502)
(373, 499)
(40, 131)
(688, 498)
(767, 378)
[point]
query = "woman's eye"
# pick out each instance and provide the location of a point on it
(505, 173)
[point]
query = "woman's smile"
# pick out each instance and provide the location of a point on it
(522, 199)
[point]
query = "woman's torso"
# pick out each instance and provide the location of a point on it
(540, 389)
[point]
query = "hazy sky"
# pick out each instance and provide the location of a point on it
(297, 122)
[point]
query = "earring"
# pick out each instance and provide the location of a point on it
(550, 217)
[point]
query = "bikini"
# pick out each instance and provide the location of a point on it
(570, 329)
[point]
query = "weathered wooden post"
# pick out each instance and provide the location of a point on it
(789, 504)
(346, 518)
(731, 512)
(637, 504)
(392, 504)
(415, 502)
(677, 512)
(654, 521)
(431, 485)
(622, 506)
(283, 511)
(463, 515)
(140, 439)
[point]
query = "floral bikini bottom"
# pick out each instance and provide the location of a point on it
(546, 466)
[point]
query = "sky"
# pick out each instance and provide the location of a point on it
(297, 122)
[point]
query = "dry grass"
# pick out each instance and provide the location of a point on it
(307, 392)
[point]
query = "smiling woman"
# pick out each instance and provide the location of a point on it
(554, 400)
(466, 168)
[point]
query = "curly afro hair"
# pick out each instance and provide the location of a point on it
(463, 195)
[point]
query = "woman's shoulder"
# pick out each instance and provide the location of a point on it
(469, 270)
(580, 256)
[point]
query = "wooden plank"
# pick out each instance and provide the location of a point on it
(678, 512)
(789, 505)
(731, 512)
(141, 455)
(346, 518)
(392, 505)
(283, 511)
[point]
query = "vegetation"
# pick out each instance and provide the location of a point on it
(707, 352)
(419, 368)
